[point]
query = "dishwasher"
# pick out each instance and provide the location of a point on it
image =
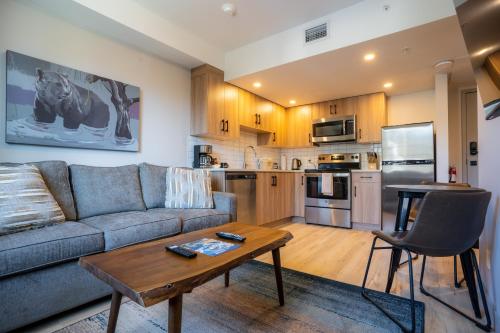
(243, 185)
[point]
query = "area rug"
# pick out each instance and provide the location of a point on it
(250, 304)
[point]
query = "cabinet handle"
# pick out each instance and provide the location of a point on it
(274, 136)
(335, 108)
(359, 130)
(355, 191)
(256, 119)
(366, 177)
(330, 106)
(275, 181)
(302, 180)
(227, 126)
(222, 125)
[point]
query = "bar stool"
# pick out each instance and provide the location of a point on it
(447, 224)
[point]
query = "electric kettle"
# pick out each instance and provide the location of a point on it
(296, 164)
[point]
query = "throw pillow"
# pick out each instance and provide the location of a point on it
(25, 201)
(188, 188)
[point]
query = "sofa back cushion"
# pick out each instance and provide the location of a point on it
(106, 190)
(25, 201)
(56, 177)
(153, 184)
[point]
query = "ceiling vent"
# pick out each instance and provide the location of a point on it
(316, 33)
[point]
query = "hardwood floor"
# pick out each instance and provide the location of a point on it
(341, 255)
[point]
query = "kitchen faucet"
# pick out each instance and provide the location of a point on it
(245, 165)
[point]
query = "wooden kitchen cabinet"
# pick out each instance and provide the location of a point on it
(300, 194)
(298, 125)
(371, 116)
(247, 109)
(336, 108)
(366, 198)
(207, 102)
(231, 113)
(264, 114)
(274, 196)
(277, 136)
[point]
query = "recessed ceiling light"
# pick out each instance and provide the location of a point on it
(369, 56)
(292, 101)
(388, 85)
(229, 9)
(257, 84)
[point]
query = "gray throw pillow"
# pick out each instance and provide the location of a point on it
(25, 201)
(188, 188)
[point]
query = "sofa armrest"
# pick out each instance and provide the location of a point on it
(226, 202)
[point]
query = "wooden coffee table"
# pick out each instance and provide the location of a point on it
(148, 274)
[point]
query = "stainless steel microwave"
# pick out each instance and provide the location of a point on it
(336, 129)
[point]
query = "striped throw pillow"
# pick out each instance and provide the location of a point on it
(25, 201)
(188, 188)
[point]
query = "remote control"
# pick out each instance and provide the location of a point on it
(228, 235)
(181, 251)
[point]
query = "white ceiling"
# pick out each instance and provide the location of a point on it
(255, 19)
(343, 72)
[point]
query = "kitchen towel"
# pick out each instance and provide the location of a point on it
(327, 183)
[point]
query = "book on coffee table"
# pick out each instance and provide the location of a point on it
(210, 247)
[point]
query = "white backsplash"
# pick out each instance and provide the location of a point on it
(232, 151)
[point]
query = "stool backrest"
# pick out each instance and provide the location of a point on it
(448, 223)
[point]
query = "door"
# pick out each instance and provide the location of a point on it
(371, 116)
(246, 109)
(298, 126)
(231, 116)
(469, 133)
(264, 114)
(300, 194)
(265, 194)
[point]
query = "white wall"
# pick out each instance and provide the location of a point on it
(489, 166)
(416, 107)
(165, 88)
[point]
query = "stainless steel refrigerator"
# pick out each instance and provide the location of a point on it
(408, 157)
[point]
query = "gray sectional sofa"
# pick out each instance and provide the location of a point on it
(105, 209)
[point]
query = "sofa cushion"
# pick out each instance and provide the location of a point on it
(153, 184)
(122, 229)
(40, 247)
(188, 188)
(56, 176)
(197, 219)
(106, 190)
(25, 201)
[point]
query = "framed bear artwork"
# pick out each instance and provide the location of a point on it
(53, 105)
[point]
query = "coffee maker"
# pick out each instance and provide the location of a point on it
(202, 158)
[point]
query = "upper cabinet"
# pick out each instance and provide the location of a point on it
(211, 114)
(255, 112)
(298, 124)
(371, 116)
(338, 107)
(277, 135)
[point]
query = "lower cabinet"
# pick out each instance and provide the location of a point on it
(366, 198)
(275, 196)
(300, 195)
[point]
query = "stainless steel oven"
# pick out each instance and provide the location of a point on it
(330, 206)
(334, 129)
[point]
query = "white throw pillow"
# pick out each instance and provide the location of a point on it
(188, 188)
(25, 201)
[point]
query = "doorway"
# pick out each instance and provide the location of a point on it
(469, 137)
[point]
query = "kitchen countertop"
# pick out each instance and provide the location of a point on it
(365, 170)
(251, 170)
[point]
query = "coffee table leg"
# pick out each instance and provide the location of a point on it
(175, 314)
(277, 273)
(226, 279)
(116, 301)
